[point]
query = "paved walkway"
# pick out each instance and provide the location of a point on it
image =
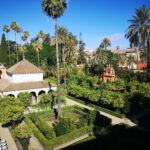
(6, 135)
(35, 144)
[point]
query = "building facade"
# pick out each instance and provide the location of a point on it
(24, 77)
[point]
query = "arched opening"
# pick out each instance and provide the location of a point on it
(41, 92)
(50, 91)
(0, 74)
(11, 95)
(34, 98)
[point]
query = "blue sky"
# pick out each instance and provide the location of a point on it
(95, 19)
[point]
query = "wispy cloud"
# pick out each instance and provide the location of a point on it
(112, 37)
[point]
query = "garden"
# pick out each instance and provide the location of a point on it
(121, 96)
(74, 122)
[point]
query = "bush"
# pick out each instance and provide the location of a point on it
(47, 131)
(50, 144)
(82, 122)
(65, 125)
(91, 115)
(97, 107)
(22, 131)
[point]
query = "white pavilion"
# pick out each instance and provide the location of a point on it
(23, 77)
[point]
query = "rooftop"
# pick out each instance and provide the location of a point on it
(6, 85)
(24, 67)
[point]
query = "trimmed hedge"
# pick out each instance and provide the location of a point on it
(48, 132)
(50, 144)
(97, 107)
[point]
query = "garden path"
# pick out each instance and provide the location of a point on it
(6, 135)
(115, 120)
(35, 144)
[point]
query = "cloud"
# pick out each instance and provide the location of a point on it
(112, 37)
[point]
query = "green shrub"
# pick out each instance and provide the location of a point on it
(65, 125)
(97, 107)
(82, 122)
(47, 131)
(91, 115)
(50, 144)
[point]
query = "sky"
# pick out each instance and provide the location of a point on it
(95, 19)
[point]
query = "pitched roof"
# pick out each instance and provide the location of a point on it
(24, 67)
(6, 86)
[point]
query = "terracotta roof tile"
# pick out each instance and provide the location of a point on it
(24, 67)
(22, 86)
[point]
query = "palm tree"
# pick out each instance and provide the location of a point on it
(14, 27)
(55, 9)
(100, 56)
(25, 36)
(138, 31)
(22, 49)
(105, 43)
(62, 42)
(37, 45)
(41, 35)
(71, 49)
(19, 31)
(6, 29)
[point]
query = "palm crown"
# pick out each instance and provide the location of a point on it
(54, 8)
(6, 28)
(139, 29)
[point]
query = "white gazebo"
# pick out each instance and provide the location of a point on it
(23, 77)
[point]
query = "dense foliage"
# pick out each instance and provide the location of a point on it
(22, 131)
(11, 110)
(122, 96)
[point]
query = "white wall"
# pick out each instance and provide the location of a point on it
(18, 78)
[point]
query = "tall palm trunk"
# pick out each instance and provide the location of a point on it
(64, 65)
(58, 70)
(9, 52)
(148, 60)
(38, 58)
(16, 46)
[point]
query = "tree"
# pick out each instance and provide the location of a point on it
(19, 31)
(25, 36)
(81, 58)
(65, 125)
(3, 50)
(105, 43)
(26, 99)
(41, 35)
(38, 47)
(14, 27)
(6, 29)
(54, 9)
(22, 132)
(138, 31)
(62, 40)
(11, 110)
(45, 99)
(22, 50)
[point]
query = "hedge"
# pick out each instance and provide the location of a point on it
(55, 142)
(97, 107)
(43, 126)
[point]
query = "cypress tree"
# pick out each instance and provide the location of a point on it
(3, 50)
